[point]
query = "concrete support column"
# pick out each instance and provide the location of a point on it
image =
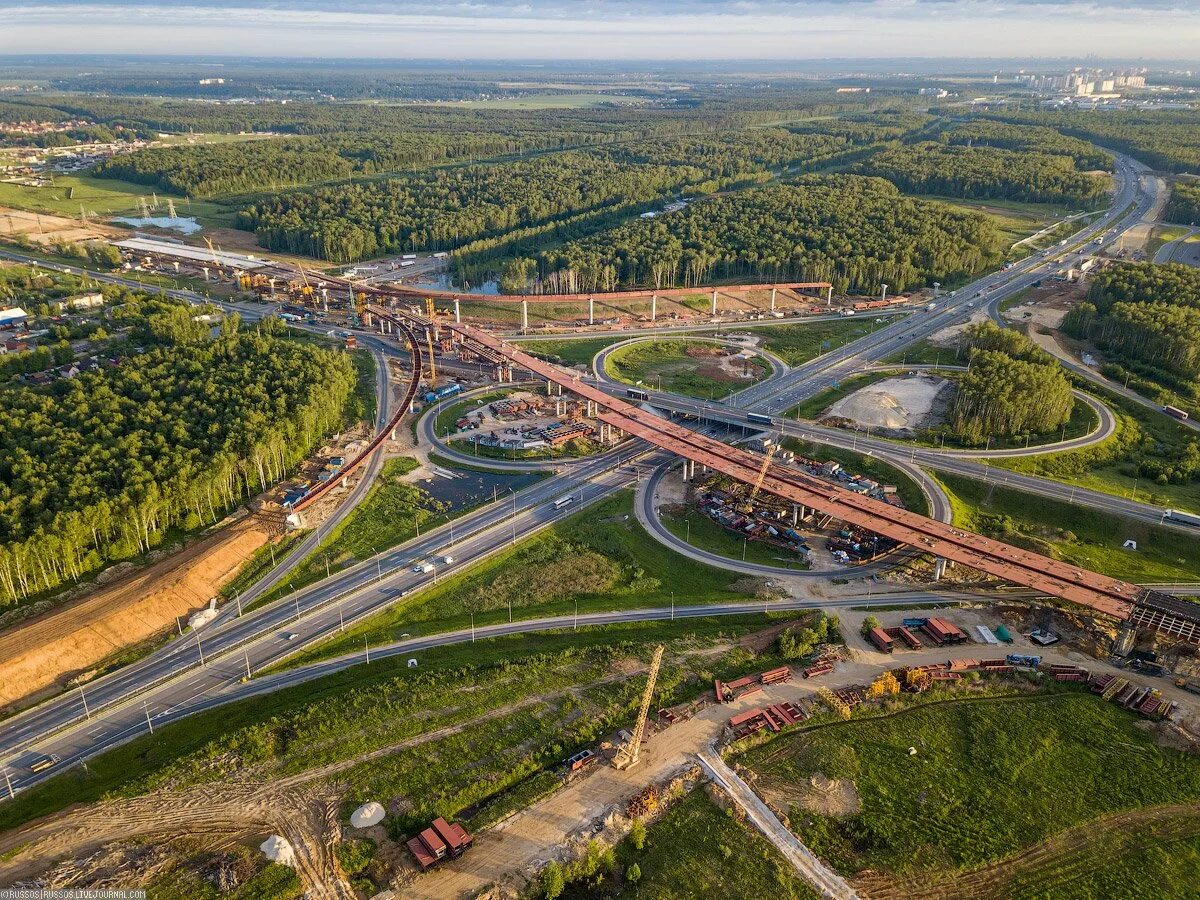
(714, 303)
(772, 299)
(939, 569)
(936, 289)
(205, 270)
(795, 515)
(591, 311)
(883, 294)
(524, 315)
(653, 307)
(549, 388)
(829, 297)
(457, 312)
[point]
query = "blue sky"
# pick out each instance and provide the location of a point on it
(608, 29)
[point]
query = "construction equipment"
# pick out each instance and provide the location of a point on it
(627, 756)
(748, 505)
(885, 685)
(834, 702)
(213, 252)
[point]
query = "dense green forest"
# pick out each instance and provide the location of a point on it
(854, 232)
(1031, 138)
(1148, 317)
(1184, 205)
(1162, 139)
(984, 172)
(97, 468)
(1012, 387)
(478, 209)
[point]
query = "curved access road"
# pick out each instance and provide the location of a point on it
(647, 514)
(428, 435)
(779, 368)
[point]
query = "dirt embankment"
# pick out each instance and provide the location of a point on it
(74, 637)
(45, 229)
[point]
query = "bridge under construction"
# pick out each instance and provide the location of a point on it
(1109, 597)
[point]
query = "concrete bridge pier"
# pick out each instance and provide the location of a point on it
(939, 569)
(457, 313)
(772, 299)
(524, 315)
(653, 307)
(591, 311)
(829, 297)
(714, 303)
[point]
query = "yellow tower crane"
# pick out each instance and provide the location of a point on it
(748, 505)
(628, 754)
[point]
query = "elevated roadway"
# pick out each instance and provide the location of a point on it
(1108, 596)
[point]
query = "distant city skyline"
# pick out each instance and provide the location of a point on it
(618, 29)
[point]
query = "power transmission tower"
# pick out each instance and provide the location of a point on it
(628, 755)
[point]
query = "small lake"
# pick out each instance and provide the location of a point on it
(445, 282)
(182, 224)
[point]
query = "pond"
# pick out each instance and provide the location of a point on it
(182, 224)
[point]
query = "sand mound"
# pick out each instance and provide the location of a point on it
(77, 635)
(367, 815)
(826, 796)
(896, 403)
(278, 850)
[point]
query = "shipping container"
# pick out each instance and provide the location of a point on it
(881, 640)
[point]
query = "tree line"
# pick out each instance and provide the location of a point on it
(854, 232)
(1011, 387)
(1184, 205)
(98, 468)
(1164, 139)
(984, 172)
(1148, 316)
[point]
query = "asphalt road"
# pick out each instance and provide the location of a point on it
(80, 723)
(203, 669)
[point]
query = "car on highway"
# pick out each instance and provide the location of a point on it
(290, 635)
(423, 568)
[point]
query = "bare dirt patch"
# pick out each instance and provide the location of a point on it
(75, 636)
(44, 229)
(836, 797)
(895, 404)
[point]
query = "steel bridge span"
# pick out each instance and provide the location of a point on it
(1111, 597)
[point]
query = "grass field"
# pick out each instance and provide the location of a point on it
(705, 534)
(926, 354)
(1074, 532)
(990, 776)
(1163, 234)
(570, 353)
(340, 717)
(549, 101)
(1116, 472)
(600, 559)
(699, 852)
(667, 365)
(797, 344)
(105, 197)
(1014, 218)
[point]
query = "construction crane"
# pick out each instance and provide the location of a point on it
(627, 755)
(748, 505)
(213, 252)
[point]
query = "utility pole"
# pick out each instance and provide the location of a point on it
(8, 781)
(87, 712)
(146, 710)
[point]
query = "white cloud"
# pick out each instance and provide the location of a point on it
(674, 29)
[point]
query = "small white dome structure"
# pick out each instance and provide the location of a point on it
(277, 849)
(367, 815)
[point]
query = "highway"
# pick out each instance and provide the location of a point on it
(109, 710)
(174, 680)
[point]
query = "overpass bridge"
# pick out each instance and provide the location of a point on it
(1106, 596)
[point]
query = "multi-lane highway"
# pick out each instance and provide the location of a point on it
(175, 679)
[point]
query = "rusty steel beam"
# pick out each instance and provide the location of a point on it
(410, 394)
(410, 291)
